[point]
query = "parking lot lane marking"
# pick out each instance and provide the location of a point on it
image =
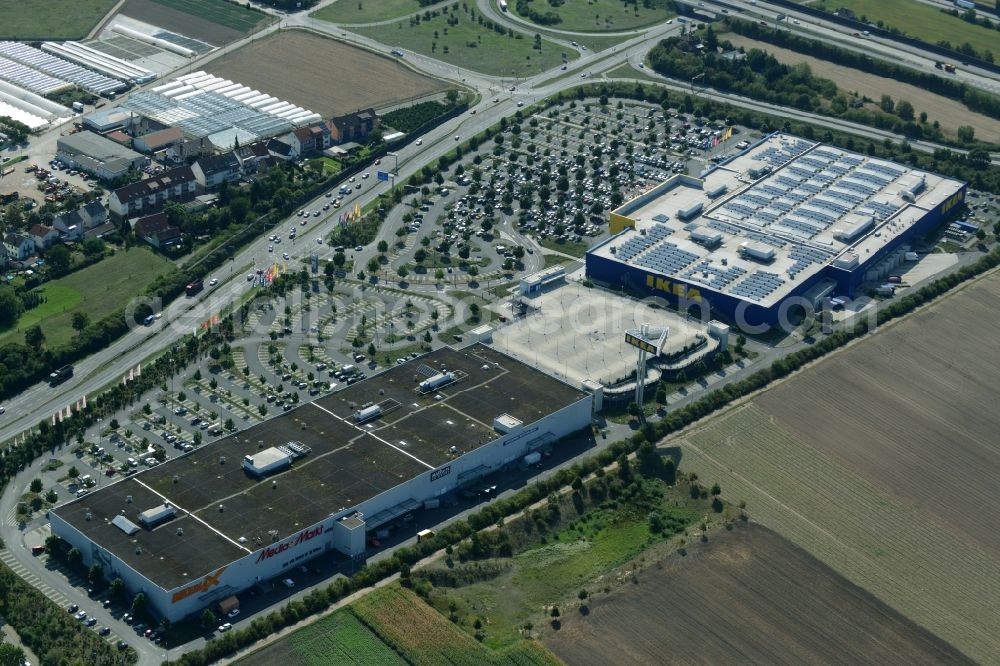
(357, 427)
(235, 543)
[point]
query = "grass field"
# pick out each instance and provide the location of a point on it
(228, 14)
(919, 20)
(424, 637)
(602, 15)
(360, 78)
(212, 21)
(51, 19)
(369, 11)
(97, 290)
(339, 638)
(890, 475)
(747, 596)
(469, 44)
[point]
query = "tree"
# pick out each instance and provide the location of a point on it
(36, 485)
(139, 604)
(73, 472)
(95, 574)
(904, 110)
(59, 259)
(80, 321)
(554, 612)
(11, 655)
(74, 557)
(117, 588)
(966, 134)
(34, 337)
(207, 618)
(10, 307)
(383, 246)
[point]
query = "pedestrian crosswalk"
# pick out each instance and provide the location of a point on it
(11, 517)
(14, 565)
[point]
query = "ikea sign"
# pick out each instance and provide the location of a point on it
(678, 289)
(642, 344)
(952, 201)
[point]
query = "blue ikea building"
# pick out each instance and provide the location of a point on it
(780, 225)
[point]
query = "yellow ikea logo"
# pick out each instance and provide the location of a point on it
(673, 288)
(952, 201)
(641, 344)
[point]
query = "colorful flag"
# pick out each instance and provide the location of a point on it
(53, 419)
(715, 141)
(85, 401)
(131, 374)
(138, 370)
(60, 416)
(727, 134)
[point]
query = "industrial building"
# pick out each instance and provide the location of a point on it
(785, 223)
(248, 508)
(97, 155)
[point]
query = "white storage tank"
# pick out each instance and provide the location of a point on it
(437, 381)
(367, 414)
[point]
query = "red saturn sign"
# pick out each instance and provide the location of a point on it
(277, 549)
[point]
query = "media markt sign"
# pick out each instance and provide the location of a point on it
(277, 549)
(208, 582)
(439, 473)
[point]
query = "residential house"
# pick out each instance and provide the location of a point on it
(279, 150)
(72, 224)
(69, 225)
(253, 157)
(157, 231)
(353, 126)
(211, 171)
(310, 140)
(43, 236)
(18, 247)
(148, 196)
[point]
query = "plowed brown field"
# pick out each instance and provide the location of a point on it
(322, 75)
(748, 596)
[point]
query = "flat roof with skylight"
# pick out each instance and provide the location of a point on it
(761, 224)
(203, 510)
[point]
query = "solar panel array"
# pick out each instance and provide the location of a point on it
(716, 277)
(667, 258)
(59, 68)
(635, 245)
(758, 286)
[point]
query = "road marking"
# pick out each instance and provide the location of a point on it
(357, 427)
(165, 499)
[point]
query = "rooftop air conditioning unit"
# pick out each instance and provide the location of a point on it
(128, 499)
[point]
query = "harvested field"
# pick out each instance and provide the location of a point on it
(915, 412)
(950, 113)
(345, 79)
(748, 596)
(883, 462)
(175, 19)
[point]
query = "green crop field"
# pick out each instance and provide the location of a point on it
(227, 14)
(920, 20)
(424, 637)
(336, 639)
(96, 290)
(602, 15)
(469, 44)
(51, 19)
(368, 11)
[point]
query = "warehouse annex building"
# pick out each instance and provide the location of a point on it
(785, 218)
(244, 509)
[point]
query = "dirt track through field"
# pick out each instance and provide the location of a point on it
(322, 75)
(949, 113)
(747, 596)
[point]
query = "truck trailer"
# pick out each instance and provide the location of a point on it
(61, 375)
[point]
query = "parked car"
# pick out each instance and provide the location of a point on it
(233, 613)
(288, 582)
(225, 627)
